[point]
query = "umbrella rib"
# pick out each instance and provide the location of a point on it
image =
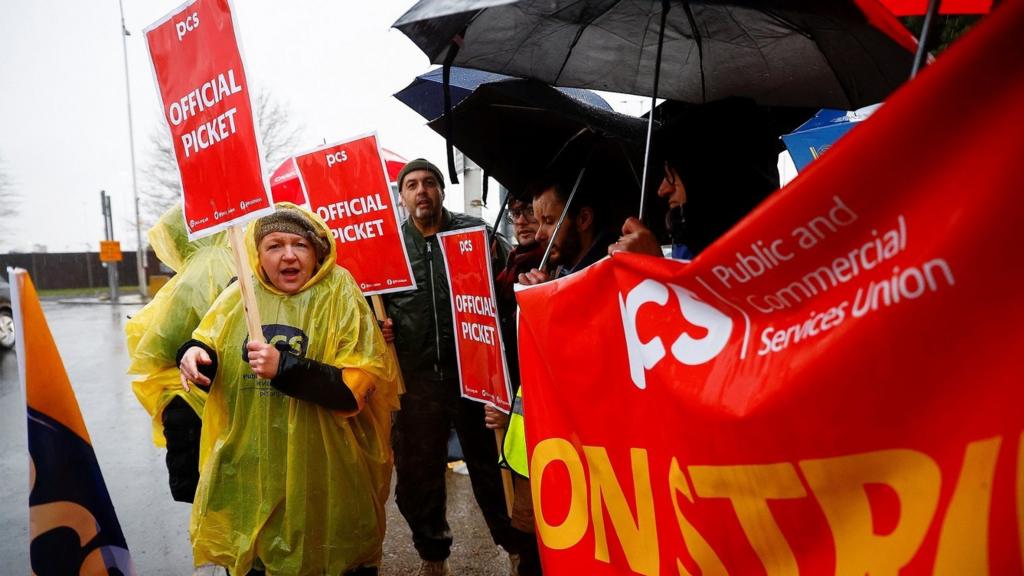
(514, 52)
(807, 34)
(753, 41)
(579, 33)
(700, 50)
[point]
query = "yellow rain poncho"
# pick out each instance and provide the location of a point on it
(203, 268)
(287, 485)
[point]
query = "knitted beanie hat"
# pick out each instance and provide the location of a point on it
(420, 164)
(293, 221)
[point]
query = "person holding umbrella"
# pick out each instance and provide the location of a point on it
(582, 238)
(719, 161)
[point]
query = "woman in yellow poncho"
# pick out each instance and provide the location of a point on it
(296, 457)
(203, 268)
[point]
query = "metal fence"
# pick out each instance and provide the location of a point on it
(51, 271)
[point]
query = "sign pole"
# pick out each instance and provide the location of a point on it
(244, 271)
(140, 255)
(378, 311)
(506, 474)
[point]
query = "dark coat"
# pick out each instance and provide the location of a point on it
(424, 335)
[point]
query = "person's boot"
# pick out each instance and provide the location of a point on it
(513, 564)
(434, 568)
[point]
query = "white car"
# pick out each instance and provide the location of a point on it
(6, 317)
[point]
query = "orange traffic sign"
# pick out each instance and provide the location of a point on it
(110, 251)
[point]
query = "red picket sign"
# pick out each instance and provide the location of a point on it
(479, 349)
(347, 186)
(830, 388)
(205, 96)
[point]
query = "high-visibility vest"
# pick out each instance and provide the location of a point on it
(514, 448)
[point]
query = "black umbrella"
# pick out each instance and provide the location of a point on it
(430, 96)
(425, 93)
(517, 130)
(812, 53)
(775, 52)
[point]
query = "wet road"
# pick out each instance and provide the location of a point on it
(91, 342)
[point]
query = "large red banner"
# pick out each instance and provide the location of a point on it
(347, 185)
(483, 374)
(205, 96)
(832, 387)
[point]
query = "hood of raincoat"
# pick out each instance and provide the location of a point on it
(323, 268)
(169, 239)
(203, 269)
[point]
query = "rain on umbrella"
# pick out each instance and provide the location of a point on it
(424, 94)
(843, 54)
(518, 129)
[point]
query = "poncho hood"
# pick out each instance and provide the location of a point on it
(326, 264)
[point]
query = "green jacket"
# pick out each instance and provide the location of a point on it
(424, 336)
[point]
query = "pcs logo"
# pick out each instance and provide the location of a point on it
(644, 356)
(273, 333)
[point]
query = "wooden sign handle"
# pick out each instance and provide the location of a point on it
(244, 272)
(378, 311)
(506, 474)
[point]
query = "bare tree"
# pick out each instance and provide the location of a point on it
(8, 196)
(160, 184)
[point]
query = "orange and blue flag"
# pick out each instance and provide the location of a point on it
(72, 525)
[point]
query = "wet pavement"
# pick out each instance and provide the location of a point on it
(91, 343)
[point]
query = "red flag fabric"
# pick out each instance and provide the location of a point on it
(73, 528)
(483, 375)
(204, 92)
(919, 7)
(831, 388)
(346, 184)
(394, 163)
(285, 185)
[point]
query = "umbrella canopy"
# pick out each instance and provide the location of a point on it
(518, 129)
(425, 93)
(777, 52)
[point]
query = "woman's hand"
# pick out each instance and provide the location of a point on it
(189, 367)
(263, 359)
(387, 328)
(494, 418)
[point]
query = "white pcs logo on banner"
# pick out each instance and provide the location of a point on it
(687, 350)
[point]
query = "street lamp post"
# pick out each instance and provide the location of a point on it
(140, 250)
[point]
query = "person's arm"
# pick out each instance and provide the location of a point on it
(302, 378)
(197, 363)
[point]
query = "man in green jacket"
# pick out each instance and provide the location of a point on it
(432, 404)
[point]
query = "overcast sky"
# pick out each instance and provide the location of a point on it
(63, 117)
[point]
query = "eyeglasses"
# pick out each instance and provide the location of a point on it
(513, 214)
